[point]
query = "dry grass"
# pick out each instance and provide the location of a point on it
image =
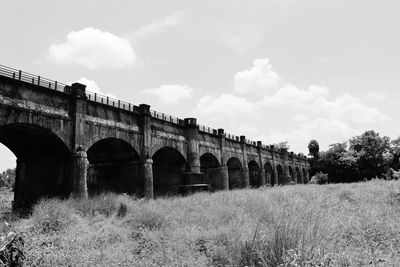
(301, 225)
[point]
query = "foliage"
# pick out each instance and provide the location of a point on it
(319, 178)
(282, 146)
(11, 247)
(369, 155)
(7, 178)
(313, 148)
(370, 148)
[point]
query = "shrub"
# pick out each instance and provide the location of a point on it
(319, 178)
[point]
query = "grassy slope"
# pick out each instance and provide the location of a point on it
(344, 225)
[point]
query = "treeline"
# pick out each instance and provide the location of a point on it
(363, 157)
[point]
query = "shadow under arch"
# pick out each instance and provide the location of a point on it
(114, 166)
(254, 174)
(304, 174)
(43, 163)
(210, 167)
(298, 176)
(235, 173)
(169, 167)
(279, 171)
(269, 174)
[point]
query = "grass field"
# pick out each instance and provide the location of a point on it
(301, 225)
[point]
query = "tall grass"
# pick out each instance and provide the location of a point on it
(301, 225)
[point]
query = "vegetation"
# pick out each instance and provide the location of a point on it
(301, 225)
(364, 157)
(7, 178)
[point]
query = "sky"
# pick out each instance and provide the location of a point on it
(272, 70)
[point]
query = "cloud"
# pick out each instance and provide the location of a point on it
(170, 93)
(94, 49)
(265, 107)
(156, 27)
(240, 37)
(93, 87)
(257, 81)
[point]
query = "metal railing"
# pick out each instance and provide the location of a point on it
(232, 137)
(165, 117)
(99, 98)
(31, 78)
(206, 129)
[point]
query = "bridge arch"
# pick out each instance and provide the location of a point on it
(169, 166)
(179, 147)
(114, 165)
(43, 162)
(279, 171)
(235, 173)
(210, 167)
(254, 174)
(269, 174)
(91, 140)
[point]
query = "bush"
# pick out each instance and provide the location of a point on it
(319, 178)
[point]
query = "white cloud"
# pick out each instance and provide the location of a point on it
(286, 112)
(257, 81)
(93, 87)
(292, 96)
(94, 49)
(170, 93)
(240, 37)
(156, 27)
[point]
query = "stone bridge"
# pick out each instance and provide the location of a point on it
(70, 141)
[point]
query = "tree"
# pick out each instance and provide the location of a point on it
(395, 153)
(282, 145)
(339, 163)
(370, 149)
(313, 148)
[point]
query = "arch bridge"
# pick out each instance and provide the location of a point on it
(71, 141)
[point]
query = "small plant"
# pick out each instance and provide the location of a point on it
(122, 210)
(11, 247)
(319, 178)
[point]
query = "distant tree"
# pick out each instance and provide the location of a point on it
(313, 148)
(370, 149)
(395, 153)
(282, 145)
(339, 163)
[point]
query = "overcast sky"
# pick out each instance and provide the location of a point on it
(273, 70)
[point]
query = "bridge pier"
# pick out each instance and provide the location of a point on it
(79, 174)
(148, 178)
(245, 177)
(263, 180)
(225, 177)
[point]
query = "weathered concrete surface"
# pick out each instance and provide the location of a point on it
(67, 144)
